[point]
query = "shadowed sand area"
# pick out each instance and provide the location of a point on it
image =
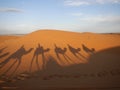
(59, 60)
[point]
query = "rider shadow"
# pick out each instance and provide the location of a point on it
(76, 52)
(62, 52)
(17, 56)
(39, 51)
(87, 50)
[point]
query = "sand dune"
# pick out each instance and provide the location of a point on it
(61, 59)
(4, 38)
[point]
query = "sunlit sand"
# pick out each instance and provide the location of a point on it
(58, 59)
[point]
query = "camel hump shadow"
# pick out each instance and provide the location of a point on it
(86, 49)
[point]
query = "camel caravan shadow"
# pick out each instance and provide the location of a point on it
(104, 63)
(17, 56)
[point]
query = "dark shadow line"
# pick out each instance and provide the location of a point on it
(44, 62)
(1, 50)
(15, 56)
(87, 50)
(39, 51)
(75, 52)
(37, 62)
(68, 58)
(4, 55)
(82, 55)
(31, 64)
(16, 68)
(10, 67)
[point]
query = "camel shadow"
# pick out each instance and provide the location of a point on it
(59, 51)
(87, 50)
(39, 51)
(17, 56)
(76, 52)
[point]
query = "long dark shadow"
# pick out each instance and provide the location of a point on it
(1, 50)
(60, 51)
(17, 56)
(75, 51)
(1, 56)
(87, 50)
(39, 51)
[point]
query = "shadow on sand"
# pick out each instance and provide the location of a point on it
(17, 56)
(101, 64)
(39, 51)
(76, 52)
(87, 50)
(101, 68)
(59, 51)
(1, 51)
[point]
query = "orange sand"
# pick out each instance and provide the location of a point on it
(4, 38)
(99, 56)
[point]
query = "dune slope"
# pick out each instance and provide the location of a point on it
(63, 54)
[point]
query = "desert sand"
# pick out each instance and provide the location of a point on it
(4, 38)
(60, 60)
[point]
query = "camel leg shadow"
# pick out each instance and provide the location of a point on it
(38, 67)
(4, 55)
(9, 68)
(18, 65)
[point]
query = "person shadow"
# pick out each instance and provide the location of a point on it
(76, 52)
(17, 56)
(60, 51)
(1, 51)
(39, 51)
(87, 50)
